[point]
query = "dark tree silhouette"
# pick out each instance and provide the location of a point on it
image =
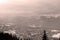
(44, 36)
(59, 38)
(6, 36)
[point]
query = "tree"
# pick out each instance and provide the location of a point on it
(44, 36)
(59, 38)
(6, 36)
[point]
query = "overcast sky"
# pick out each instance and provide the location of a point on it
(30, 7)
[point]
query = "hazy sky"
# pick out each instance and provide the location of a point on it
(29, 7)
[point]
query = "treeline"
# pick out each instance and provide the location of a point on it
(6, 36)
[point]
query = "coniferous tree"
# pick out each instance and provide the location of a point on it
(6, 36)
(44, 36)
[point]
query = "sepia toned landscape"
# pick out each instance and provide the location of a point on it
(30, 19)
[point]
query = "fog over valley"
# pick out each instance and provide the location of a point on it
(30, 8)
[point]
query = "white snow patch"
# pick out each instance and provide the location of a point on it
(9, 24)
(32, 25)
(34, 33)
(10, 31)
(56, 35)
(54, 30)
